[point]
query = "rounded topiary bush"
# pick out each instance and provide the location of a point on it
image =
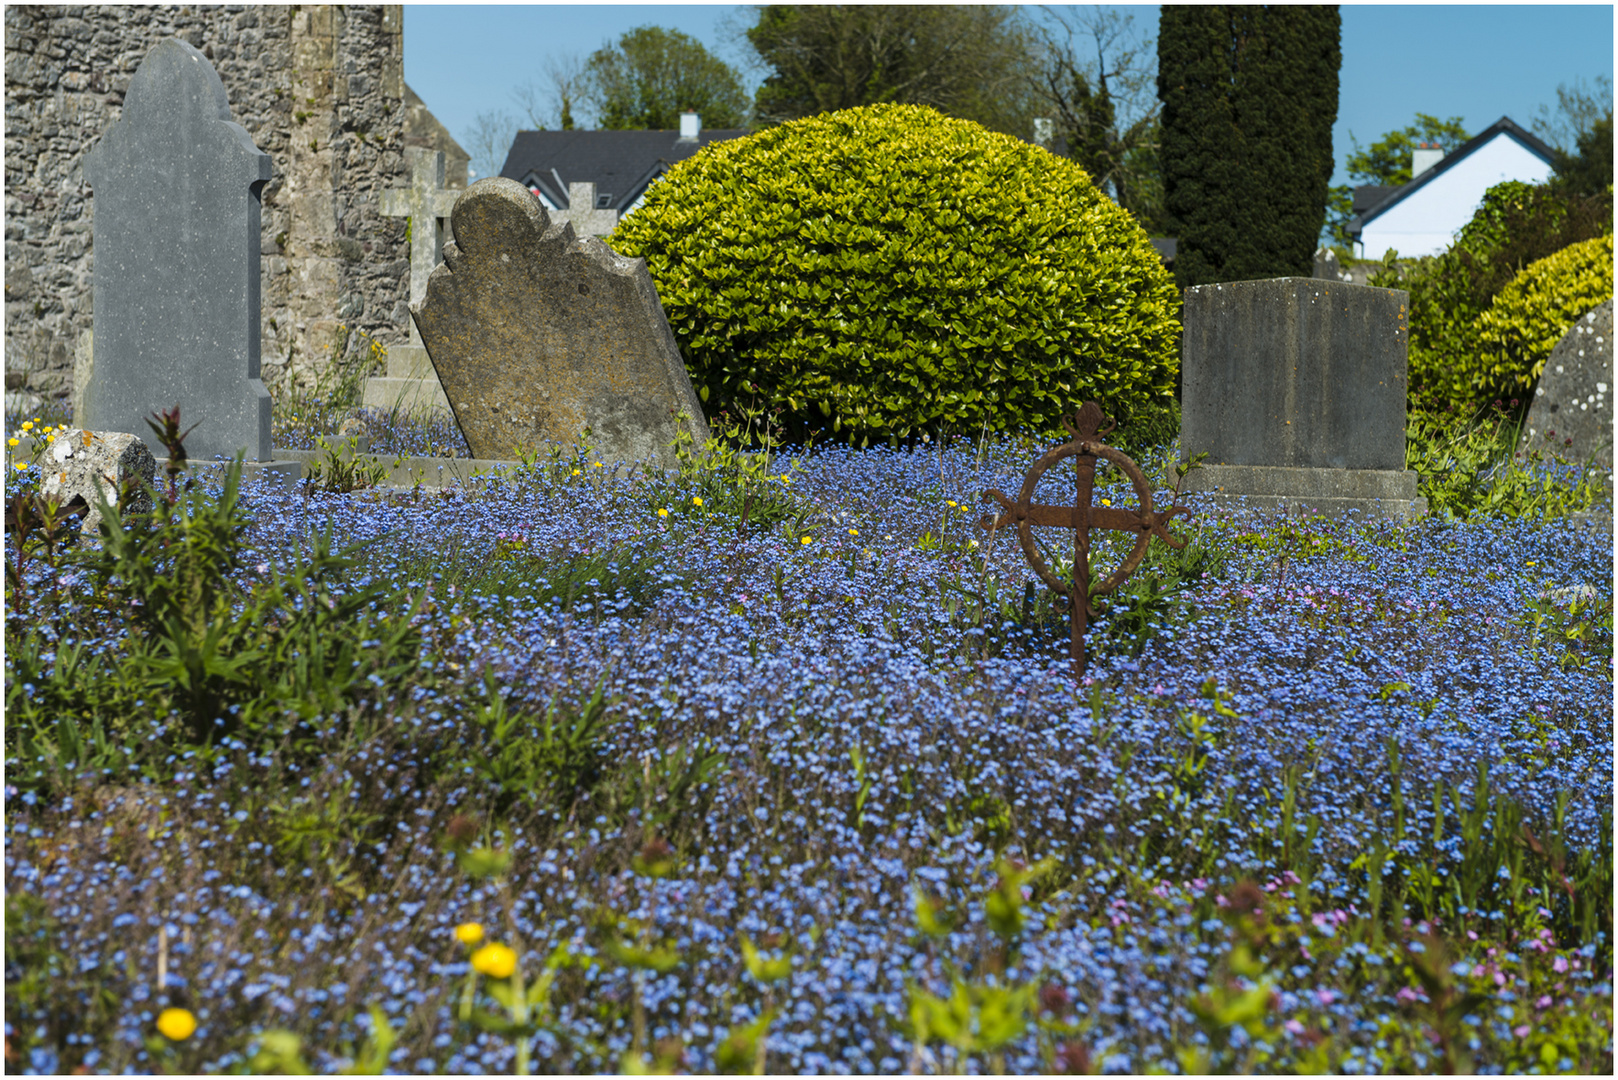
(1530, 315)
(887, 271)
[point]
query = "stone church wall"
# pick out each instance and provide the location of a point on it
(319, 88)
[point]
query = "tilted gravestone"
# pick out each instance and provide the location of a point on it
(537, 335)
(1296, 389)
(1572, 407)
(176, 241)
(410, 383)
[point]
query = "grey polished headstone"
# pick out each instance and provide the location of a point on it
(1296, 390)
(177, 190)
(537, 335)
(1573, 400)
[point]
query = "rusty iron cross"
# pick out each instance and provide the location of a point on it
(1085, 447)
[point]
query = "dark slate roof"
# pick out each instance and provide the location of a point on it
(1376, 205)
(621, 164)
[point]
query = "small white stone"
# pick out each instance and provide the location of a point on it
(1602, 387)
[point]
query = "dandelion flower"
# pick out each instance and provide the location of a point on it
(177, 1024)
(495, 960)
(469, 933)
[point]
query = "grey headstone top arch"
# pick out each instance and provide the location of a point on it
(537, 335)
(177, 189)
(1572, 404)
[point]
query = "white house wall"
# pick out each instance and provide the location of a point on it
(1425, 222)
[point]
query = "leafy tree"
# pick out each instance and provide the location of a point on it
(1249, 97)
(967, 61)
(1588, 172)
(652, 75)
(1387, 161)
(1581, 135)
(1103, 93)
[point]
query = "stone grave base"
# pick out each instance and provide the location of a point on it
(281, 473)
(411, 384)
(1361, 493)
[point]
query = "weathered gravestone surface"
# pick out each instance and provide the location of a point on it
(537, 335)
(96, 464)
(410, 383)
(1573, 400)
(177, 189)
(1296, 389)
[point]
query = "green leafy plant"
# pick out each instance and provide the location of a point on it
(344, 469)
(1474, 469)
(885, 271)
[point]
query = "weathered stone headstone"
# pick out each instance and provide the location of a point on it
(1573, 400)
(96, 464)
(1296, 389)
(410, 383)
(177, 201)
(537, 335)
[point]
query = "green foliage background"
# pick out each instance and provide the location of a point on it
(886, 271)
(1530, 315)
(646, 80)
(1517, 226)
(1249, 98)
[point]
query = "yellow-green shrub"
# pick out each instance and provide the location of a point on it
(1529, 316)
(886, 270)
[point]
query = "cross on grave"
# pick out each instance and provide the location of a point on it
(1023, 513)
(427, 204)
(581, 211)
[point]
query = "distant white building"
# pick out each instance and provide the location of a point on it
(1423, 216)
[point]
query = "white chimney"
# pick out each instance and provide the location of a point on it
(690, 126)
(1424, 157)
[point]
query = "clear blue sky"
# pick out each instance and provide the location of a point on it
(1478, 62)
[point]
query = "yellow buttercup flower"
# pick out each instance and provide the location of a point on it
(696, 500)
(806, 540)
(28, 425)
(952, 502)
(664, 512)
(575, 472)
(12, 442)
(1106, 502)
(853, 532)
(469, 933)
(177, 1024)
(495, 960)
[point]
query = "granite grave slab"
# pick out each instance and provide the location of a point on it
(177, 187)
(1296, 389)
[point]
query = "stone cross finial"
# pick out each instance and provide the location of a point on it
(581, 211)
(427, 203)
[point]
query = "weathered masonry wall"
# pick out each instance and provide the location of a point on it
(319, 88)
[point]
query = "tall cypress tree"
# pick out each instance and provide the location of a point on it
(1249, 98)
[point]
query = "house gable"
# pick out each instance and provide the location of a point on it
(1423, 216)
(621, 164)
